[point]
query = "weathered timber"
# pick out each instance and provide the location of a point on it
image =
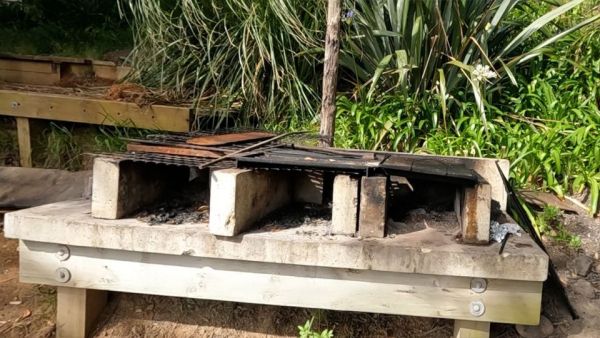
(471, 329)
(220, 139)
(372, 214)
(330, 72)
(77, 311)
(444, 296)
(473, 209)
(430, 251)
(241, 197)
(172, 150)
(49, 70)
(122, 187)
(344, 210)
(24, 139)
(93, 111)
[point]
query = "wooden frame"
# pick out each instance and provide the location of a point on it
(50, 70)
(33, 105)
(422, 274)
(439, 296)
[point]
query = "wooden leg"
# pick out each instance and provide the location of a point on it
(24, 141)
(77, 311)
(471, 329)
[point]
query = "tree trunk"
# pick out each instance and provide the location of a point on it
(330, 72)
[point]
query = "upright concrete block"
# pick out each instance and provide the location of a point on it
(122, 187)
(344, 215)
(373, 202)
(241, 197)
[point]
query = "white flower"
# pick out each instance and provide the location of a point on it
(482, 72)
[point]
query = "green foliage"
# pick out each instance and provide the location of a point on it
(256, 52)
(86, 28)
(306, 331)
(420, 47)
(61, 150)
(547, 125)
(549, 223)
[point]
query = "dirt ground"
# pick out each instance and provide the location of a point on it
(29, 310)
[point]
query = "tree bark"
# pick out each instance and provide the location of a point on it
(330, 72)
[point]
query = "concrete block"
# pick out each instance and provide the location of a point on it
(122, 187)
(241, 197)
(373, 202)
(344, 214)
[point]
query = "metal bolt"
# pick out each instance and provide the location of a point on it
(477, 308)
(63, 253)
(14, 104)
(62, 275)
(478, 285)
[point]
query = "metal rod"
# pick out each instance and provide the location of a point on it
(252, 147)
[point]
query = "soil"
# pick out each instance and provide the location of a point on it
(29, 310)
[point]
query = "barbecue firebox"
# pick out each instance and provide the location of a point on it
(252, 174)
(262, 218)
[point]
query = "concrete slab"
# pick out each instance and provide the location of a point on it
(429, 251)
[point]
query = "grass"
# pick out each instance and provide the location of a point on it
(549, 224)
(307, 331)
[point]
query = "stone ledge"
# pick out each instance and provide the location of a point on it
(429, 251)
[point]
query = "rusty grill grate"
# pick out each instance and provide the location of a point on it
(187, 161)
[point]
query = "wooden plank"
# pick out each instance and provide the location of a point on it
(44, 58)
(24, 139)
(373, 204)
(281, 284)
(220, 139)
(475, 213)
(344, 211)
(17, 76)
(110, 72)
(239, 198)
(122, 187)
(28, 66)
(77, 311)
(471, 329)
(93, 111)
(155, 149)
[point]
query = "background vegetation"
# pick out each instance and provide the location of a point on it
(499, 78)
(80, 28)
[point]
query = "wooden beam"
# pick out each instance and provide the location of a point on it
(220, 139)
(373, 206)
(24, 138)
(93, 111)
(241, 197)
(181, 275)
(471, 329)
(77, 311)
(330, 72)
(473, 209)
(171, 150)
(122, 187)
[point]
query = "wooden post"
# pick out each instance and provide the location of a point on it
(330, 72)
(372, 210)
(471, 329)
(77, 311)
(24, 138)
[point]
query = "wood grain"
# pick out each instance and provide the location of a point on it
(214, 140)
